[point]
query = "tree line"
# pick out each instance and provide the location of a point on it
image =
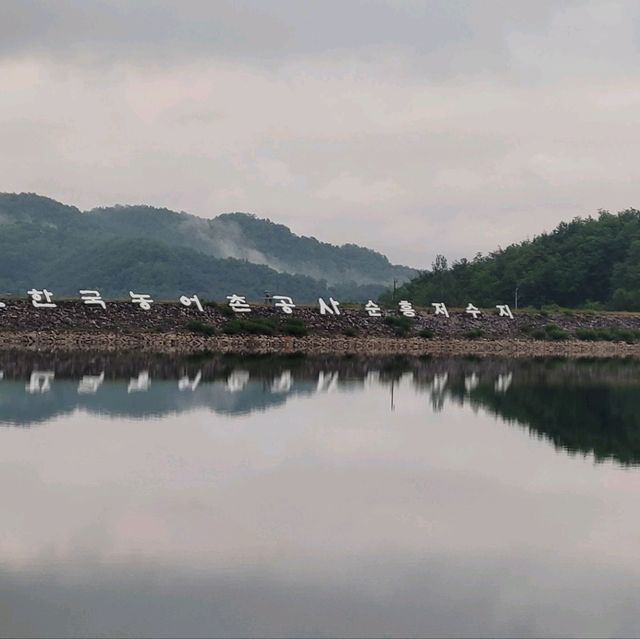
(591, 262)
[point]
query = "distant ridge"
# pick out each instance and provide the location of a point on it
(46, 243)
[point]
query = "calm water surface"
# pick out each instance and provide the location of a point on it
(226, 496)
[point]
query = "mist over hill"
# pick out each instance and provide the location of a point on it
(44, 243)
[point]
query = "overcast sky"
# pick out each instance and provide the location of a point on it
(414, 128)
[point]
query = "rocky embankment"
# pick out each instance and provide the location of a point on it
(172, 327)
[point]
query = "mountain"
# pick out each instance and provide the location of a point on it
(44, 243)
(589, 262)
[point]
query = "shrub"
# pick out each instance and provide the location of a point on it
(608, 334)
(474, 333)
(295, 328)
(252, 327)
(550, 332)
(554, 332)
(427, 333)
(586, 334)
(349, 331)
(401, 325)
(196, 326)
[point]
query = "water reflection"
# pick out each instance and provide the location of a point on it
(231, 496)
(585, 406)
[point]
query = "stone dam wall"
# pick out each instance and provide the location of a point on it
(168, 327)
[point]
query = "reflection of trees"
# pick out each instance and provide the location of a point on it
(599, 419)
(582, 406)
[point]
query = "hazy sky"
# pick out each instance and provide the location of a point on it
(411, 127)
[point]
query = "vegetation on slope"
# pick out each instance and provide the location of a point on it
(591, 263)
(46, 244)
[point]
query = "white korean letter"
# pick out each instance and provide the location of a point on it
(406, 308)
(373, 309)
(239, 303)
(143, 299)
(473, 310)
(325, 308)
(285, 303)
(38, 296)
(504, 311)
(440, 308)
(92, 298)
(187, 301)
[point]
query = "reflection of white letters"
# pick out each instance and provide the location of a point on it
(325, 308)
(439, 382)
(90, 383)
(184, 383)
(503, 382)
(372, 378)
(471, 382)
(139, 384)
(40, 382)
(327, 382)
(282, 384)
(237, 381)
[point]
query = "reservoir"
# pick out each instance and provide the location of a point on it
(221, 495)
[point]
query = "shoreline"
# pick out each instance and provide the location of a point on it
(182, 343)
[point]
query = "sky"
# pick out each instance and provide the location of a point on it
(414, 128)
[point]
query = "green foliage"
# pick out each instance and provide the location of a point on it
(555, 333)
(250, 327)
(550, 332)
(196, 326)
(474, 333)
(294, 327)
(350, 331)
(597, 417)
(139, 248)
(401, 325)
(592, 262)
(427, 333)
(608, 334)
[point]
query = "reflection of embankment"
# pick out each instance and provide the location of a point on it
(579, 405)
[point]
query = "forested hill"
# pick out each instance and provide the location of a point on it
(587, 262)
(46, 243)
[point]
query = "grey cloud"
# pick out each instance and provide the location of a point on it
(410, 127)
(446, 35)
